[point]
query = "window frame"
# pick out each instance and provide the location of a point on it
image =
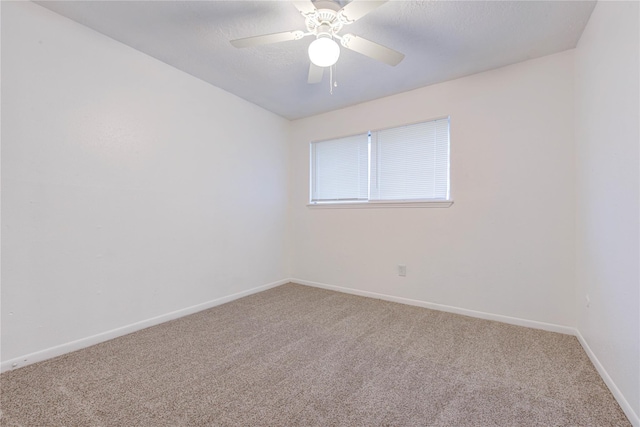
(358, 204)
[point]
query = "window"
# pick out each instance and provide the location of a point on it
(398, 165)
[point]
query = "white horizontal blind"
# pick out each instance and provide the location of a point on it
(340, 169)
(411, 162)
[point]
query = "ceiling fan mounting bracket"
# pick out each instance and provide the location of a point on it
(344, 19)
(345, 39)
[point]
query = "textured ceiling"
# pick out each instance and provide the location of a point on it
(442, 40)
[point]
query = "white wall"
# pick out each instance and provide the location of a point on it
(129, 189)
(506, 246)
(607, 157)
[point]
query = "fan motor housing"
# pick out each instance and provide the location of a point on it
(328, 5)
(325, 19)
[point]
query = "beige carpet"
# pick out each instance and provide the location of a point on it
(299, 356)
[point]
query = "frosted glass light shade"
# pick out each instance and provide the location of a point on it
(324, 52)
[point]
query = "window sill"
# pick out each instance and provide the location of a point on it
(390, 204)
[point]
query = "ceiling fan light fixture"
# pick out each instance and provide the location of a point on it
(324, 51)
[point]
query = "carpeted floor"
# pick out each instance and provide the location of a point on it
(300, 356)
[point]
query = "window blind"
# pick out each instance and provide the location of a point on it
(407, 163)
(411, 162)
(340, 169)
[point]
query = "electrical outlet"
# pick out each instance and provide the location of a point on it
(402, 270)
(588, 301)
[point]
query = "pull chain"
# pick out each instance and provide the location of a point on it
(331, 79)
(335, 67)
(332, 83)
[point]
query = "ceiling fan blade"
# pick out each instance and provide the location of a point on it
(305, 7)
(315, 73)
(267, 38)
(371, 49)
(358, 8)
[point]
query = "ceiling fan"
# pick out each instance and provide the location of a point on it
(324, 19)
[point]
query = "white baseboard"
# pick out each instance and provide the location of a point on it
(450, 309)
(114, 333)
(61, 349)
(626, 407)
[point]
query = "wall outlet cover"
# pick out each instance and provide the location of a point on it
(402, 270)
